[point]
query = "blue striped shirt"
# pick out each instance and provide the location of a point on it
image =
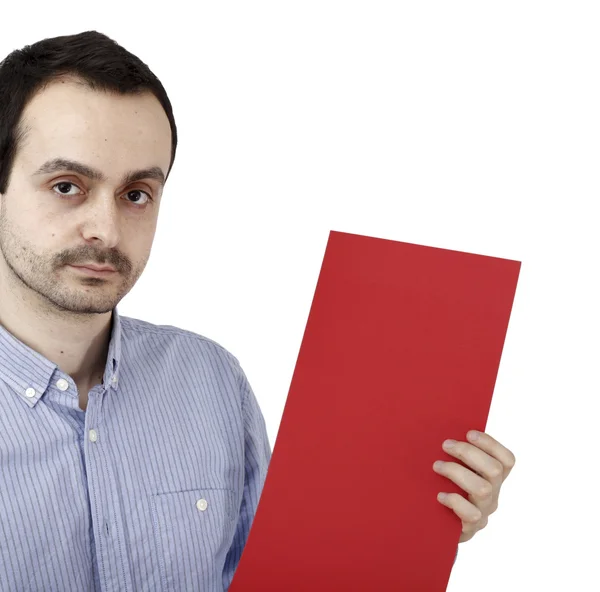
(153, 487)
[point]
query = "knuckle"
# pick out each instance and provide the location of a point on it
(497, 471)
(485, 490)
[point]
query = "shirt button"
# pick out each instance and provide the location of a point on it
(93, 435)
(62, 384)
(114, 379)
(30, 392)
(202, 504)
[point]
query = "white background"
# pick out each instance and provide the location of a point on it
(472, 126)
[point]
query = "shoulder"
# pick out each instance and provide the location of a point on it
(177, 340)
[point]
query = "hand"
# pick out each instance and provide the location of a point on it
(491, 463)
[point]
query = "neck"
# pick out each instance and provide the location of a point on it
(77, 343)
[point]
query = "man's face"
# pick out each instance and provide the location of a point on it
(52, 220)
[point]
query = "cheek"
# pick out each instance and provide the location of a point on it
(146, 239)
(138, 250)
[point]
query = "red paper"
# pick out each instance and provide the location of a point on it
(401, 351)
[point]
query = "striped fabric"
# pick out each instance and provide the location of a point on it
(153, 487)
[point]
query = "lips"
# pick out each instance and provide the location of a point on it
(95, 267)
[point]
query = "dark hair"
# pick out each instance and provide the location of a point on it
(90, 58)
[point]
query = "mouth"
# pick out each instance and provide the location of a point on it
(93, 272)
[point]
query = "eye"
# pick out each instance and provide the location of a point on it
(140, 191)
(66, 184)
(62, 185)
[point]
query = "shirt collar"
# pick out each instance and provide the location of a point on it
(29, 373)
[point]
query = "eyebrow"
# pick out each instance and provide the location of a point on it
(63, 164)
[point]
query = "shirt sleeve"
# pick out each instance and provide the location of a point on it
(257, 455)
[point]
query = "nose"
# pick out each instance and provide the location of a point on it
(102, 221)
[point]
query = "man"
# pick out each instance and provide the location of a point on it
(132, 455)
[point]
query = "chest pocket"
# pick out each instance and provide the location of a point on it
(193, 531)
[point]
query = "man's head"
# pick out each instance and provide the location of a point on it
(84, 99)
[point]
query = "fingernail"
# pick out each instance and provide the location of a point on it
(438, 464)
(473, 435)
(442, 496)
(449, 443)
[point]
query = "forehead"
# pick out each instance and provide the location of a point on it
(106, 129)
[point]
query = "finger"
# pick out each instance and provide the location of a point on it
(466, 479)
(463, 508)
(490, 445)
(479, 461)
